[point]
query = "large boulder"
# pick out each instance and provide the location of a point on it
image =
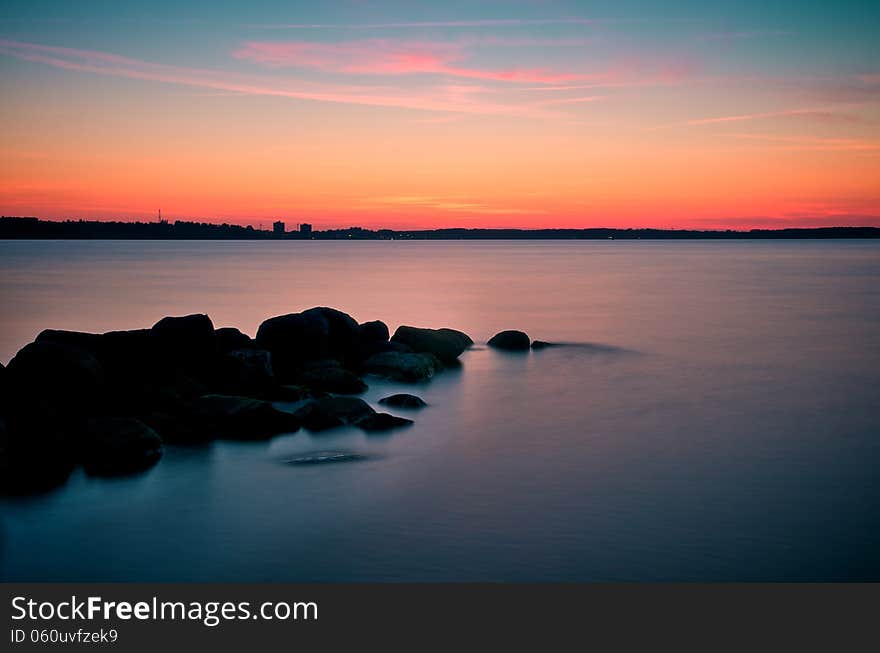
(373, 332)
(90, 342)
(113, 446)
(330, 412)
(403, 400)
(246, 371)
(329, 376)
(188, 341)
(510, 340)
(58, 377)
(401, 366)
(445, 344)
(36, 455)
(229, 339)
(314, 334)
(240, 418)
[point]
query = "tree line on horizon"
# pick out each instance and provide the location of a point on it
(35, 228)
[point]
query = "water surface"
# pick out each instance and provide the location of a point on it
(717, 420)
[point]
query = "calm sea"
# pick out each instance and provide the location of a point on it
(716, 417)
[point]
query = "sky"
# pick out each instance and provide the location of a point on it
(443, 114)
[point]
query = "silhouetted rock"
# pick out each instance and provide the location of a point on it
(445, 344)
(293, 393)
(510, 340)
(382, 422)
(229, 339)
(240, 418)
(540, 344)
(112, 446)
(65, 378)
(329, 376)
(330, 412)
(373, 332)
(177, 429)
(90, 342)
(36, 455)
(188, 341)
(311, 335)
(409, 367)
(246, 371)
(403, 400)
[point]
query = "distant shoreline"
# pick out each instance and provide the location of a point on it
(27, 228)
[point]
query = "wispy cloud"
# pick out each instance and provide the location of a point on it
(438, 98)
(485, 22)
(829, 144)
(385, 57)
(819, 114)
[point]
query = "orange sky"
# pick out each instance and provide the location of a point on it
(420, 134)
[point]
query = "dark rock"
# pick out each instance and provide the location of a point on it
(229, 339)
(403, 401)
(445, 344)
(246, 371)
(176, 429)
(293, 393)
(382, 422)
(326, 457)
(241, 418)
(330, 412)
(188, 341)
(373, 332)
(510, 340)
(65, 378)
(403, 366)
(314, 334)
(90, 342)
(540, 344)
(36, 455)
(343, 332)
(114, 446)
(329, 376)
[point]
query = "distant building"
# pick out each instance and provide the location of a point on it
(278, 227)
(305, 229)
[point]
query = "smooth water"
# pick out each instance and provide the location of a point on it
(718, 417)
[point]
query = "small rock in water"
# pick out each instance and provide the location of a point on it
(510, 340)
(323, 457)
(403, 400)
(398, 366)
(382, 422)
(540, 344)
(119, 445)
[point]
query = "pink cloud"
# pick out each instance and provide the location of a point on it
(384, 57)
(451, 99)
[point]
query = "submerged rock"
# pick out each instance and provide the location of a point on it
(113, 446)
(445, 344)
(330, 412)
(323, 457)
(240, 418)
(540, 344)
(382, 422)
(329, 376)
(511, 341)
(409, 367)
(403, 400)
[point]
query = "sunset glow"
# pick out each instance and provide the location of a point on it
(522, 114)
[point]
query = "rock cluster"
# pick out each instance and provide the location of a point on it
(109, 401)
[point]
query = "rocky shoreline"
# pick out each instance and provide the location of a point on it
(109, 402)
